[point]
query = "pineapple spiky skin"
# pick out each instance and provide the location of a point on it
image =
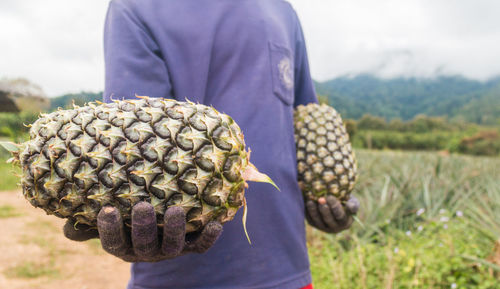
(165, 152)
(326, 164)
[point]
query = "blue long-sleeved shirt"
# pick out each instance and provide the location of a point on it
(247, 58)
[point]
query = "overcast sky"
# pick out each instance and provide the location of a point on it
(58, 43)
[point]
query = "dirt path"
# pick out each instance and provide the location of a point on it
(35, 254)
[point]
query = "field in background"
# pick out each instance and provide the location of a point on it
(428, 220)
(424, 133)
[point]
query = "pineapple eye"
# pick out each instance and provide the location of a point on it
(187, 182)
(211, 193)
(232, 168)
(185, 138)
(220, 136)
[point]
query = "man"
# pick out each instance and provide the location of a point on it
(247, 59)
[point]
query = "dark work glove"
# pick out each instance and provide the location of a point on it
(328, 214)
(142, 243)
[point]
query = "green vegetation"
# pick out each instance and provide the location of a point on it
(482, 143)
(14, 125)
(424, 133)
(67, 100)
(7, 211)
(9, 179)
(434, 257)
(454, 97)
(30, 270)
(427, 221)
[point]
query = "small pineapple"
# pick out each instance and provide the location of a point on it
(165, 152)
(325, 160)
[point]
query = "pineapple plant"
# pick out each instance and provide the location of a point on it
(325, 161)
(165, 152)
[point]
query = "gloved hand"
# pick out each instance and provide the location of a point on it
(328, 214)
(142, 244)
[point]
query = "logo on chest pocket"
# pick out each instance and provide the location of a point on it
(286, 72)
(282, 72)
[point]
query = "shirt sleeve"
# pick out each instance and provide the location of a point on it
(133, 60)
(304, 85)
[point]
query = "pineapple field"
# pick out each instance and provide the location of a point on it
(428, 220)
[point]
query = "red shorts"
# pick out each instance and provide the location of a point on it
(310, 286)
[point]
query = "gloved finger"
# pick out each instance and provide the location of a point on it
(326, 214)
(347, 224)
(174, 232)
(312, 210)
(336, 209)
(79, 232)
(114, 240)
(352, 205)
(131, 258)
(206, 238)
(308, 217)
(144, 230)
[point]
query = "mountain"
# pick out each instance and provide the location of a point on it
(454, 97)
(404, 98)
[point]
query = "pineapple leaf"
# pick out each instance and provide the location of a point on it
(244, 219)
(10, 146)
(358, 221)
(252, 174)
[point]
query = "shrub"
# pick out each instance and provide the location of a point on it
(483, 143)
(351, 127)
(377, 139)
(372, 122)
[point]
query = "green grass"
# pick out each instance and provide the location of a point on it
(427, 221)
(434, 256)
(31, 270)
(7, 211)
(9, 180)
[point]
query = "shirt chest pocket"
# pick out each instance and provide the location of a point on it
(282, 70)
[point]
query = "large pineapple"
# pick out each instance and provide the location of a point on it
(325, 160)
(165, 152)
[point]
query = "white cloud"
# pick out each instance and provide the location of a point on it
(55, 43)
(58, 43)
(411, 38)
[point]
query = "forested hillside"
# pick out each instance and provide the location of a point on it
(453, 97)
(81, 98)
(404, 98)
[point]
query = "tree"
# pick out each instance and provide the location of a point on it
(22, 95)
(372, 122)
